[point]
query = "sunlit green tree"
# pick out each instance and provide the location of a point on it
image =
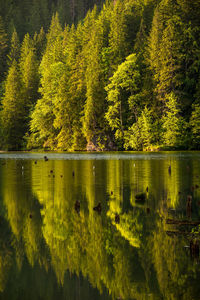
(195, 126)
(94, 125)
(13, 110)
(29, 72)
(145, 133)
(123, 97)
(14, 52)
(42, 117)
(174, 125)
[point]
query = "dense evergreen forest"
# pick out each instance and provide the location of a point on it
(83, 74)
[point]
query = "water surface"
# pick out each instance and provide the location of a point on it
(126, 250)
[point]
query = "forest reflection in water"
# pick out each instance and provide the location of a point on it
(53, 244)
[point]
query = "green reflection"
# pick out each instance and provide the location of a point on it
(88, 254)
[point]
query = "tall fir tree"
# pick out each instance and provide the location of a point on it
(42, 118)
(13, 114)
(124, 101)
(175, 128)
(39, 43)
(144, 134)
(94, 126)
(28, 66)
(14, 52)
(195, 126)
(124, 25)
(70, 95)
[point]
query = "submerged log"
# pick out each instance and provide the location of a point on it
(98, 208)
(140, 197)
(77, 206)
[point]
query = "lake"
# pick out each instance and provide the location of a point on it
(119, 225)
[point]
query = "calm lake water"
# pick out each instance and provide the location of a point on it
(50, 248)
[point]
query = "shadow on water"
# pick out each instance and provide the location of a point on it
(109, 226)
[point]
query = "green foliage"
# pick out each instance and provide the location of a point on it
(42, 116)
(195, 126)
(174, 125)
(106, 81)
(12, 115)
(131, 257)
(29, 72)
(173, 52)
(144, 133)
(123, 97)
(123, 28)
(94, 127)
(40, 43)
(30, 16)
(14, 52)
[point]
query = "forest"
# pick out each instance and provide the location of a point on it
(100, 75)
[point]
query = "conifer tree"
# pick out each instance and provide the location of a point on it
(42, 117)
(124, 98)
(39, 40)
(63, 110)
(14, 52)
(144, 133)
(174, 126)
(195, 126)
(12, 115)
(70, 104)
(94, 125)
(29, 72)
(123, 29)
(70, 97)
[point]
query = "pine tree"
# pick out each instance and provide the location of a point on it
(195, 126)
(14, 52)
(39, 43)
(94, 125)
(29, 72)
(70, 96)
(174, 126)
(144, 134)
(124, 25)
(42, 117)
(12, 115)
(124, 97)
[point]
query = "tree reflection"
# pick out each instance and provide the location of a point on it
(132, 258)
